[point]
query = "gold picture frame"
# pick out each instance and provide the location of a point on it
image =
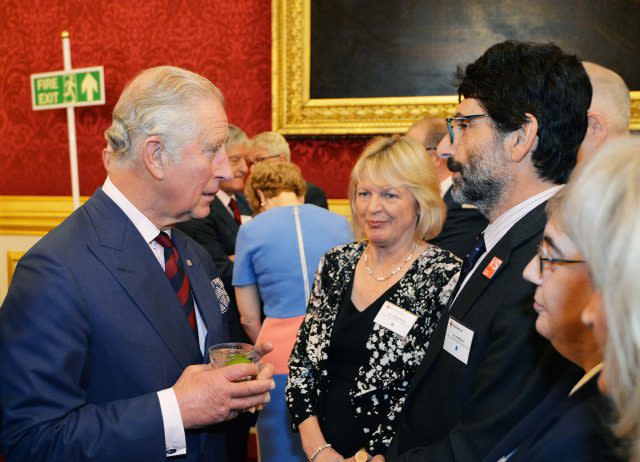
(13, 256)
(295, 113)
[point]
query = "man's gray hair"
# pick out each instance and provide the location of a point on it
(236, 136)
(274, 143)
(158, 101)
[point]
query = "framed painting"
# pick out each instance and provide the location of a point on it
(362, 67)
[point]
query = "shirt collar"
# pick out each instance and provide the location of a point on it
(145, 227)
(445, 185)
(501, 225)
(224, 197)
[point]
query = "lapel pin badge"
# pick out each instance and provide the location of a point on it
(189, 262)
(492, 267)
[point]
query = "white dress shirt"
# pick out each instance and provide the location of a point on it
(174, 436)
(501, 225)
(445, 185)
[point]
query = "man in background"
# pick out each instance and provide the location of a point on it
(105, 328)
(463, 222)
(272, 146)
(217, 234)
(218, 230)
(610, 110)
(510, 147)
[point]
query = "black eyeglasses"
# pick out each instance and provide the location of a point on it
(462, 122)
(551, 261)
(263, 158)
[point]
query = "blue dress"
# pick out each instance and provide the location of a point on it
(267, 255)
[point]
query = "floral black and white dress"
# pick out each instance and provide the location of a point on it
(380, 386)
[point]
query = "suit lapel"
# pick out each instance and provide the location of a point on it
(122, 249)
(529, 225)
(243, 204)
(553, 412)
(449, 202)
(554, 403)
(220, 212)
(477, 283)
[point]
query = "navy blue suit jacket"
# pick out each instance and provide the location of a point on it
(90, 330)
(568, 428)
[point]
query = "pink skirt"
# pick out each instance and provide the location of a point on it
(281, 332)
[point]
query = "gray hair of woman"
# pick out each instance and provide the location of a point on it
(158, 101)
(401, 161)
(602, 214)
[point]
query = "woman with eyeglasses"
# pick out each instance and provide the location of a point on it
(603, 216)
(571, 423)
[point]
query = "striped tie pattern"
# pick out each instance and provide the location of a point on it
(174, 270)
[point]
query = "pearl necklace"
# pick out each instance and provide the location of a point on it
(393, 271)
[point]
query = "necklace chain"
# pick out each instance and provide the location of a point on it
(393, 271)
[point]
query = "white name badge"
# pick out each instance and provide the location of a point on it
(395, 319)
(457, 340)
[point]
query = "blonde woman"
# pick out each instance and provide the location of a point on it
(277, 254)
(602, 213)
(373, 308)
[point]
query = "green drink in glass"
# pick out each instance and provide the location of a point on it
(226, 354)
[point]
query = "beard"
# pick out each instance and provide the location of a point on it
(482, 179)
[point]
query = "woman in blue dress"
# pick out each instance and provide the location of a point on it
(277, 254)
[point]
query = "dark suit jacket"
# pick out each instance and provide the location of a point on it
(564, 428)
(458, 412)
(217, 234)
(315, 196)
(90, 330)
(460, 228)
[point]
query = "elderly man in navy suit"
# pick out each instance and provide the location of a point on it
(105, 328)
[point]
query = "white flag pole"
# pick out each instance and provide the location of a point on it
(71, 126)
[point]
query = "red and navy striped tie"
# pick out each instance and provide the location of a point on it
(174, 270)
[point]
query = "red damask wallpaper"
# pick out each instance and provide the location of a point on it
(228, 41)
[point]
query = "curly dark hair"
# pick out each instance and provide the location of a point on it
(514, 78)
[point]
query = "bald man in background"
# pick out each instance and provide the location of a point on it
(610, 109)
(463, 222)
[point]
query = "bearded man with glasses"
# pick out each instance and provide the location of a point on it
(510, 145)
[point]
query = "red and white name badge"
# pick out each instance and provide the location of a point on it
(492, 267)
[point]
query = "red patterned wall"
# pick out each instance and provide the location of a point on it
(228, 41)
